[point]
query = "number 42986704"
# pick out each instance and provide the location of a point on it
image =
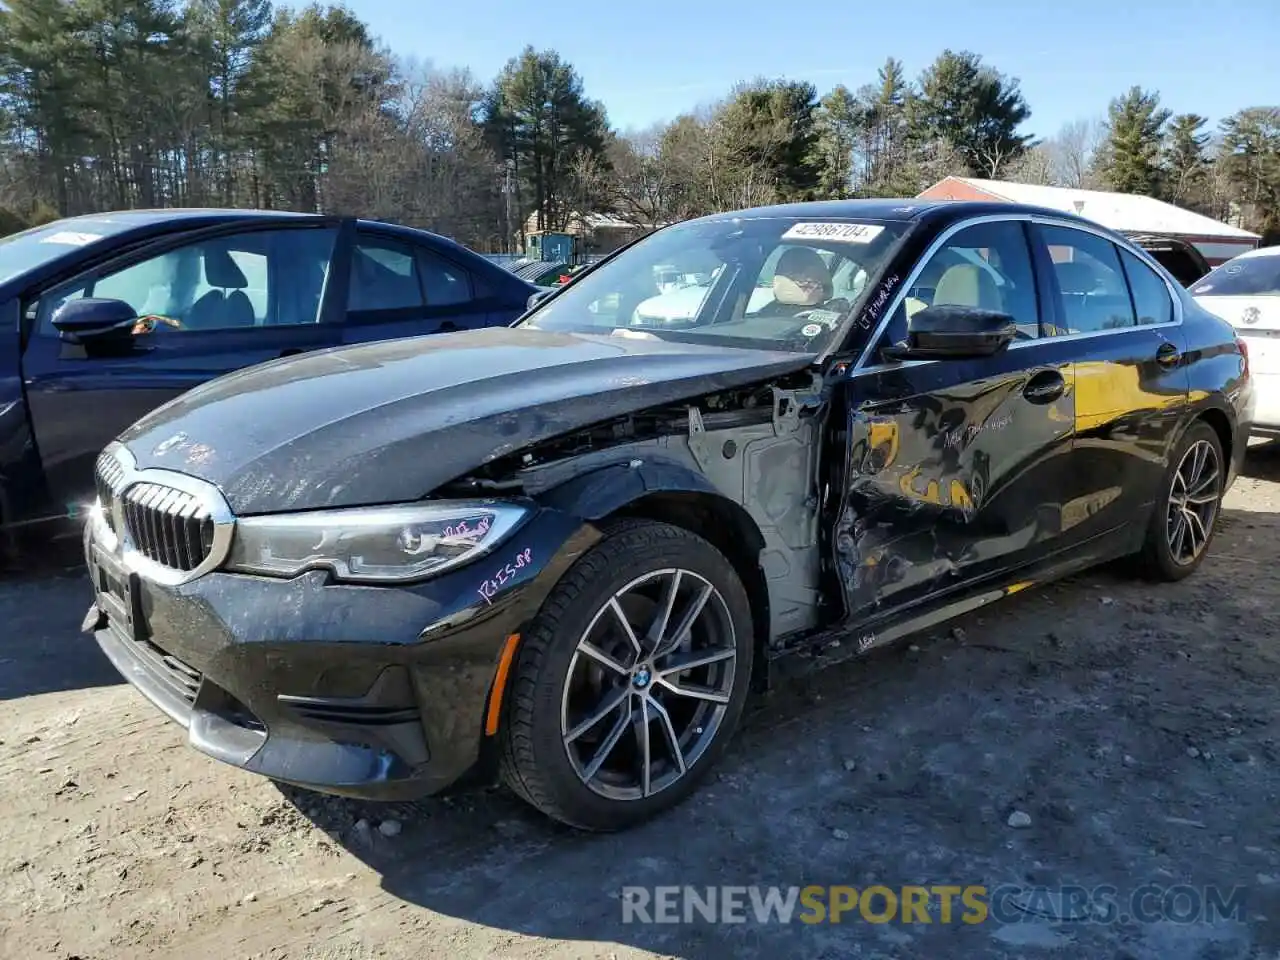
(490, 587)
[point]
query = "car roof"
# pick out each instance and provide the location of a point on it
(1259, 252)
(119, 228)
(901, 209)
(126, 218)
(122, 223)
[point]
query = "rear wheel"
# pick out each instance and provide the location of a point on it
(1185, 517)
(631, 680)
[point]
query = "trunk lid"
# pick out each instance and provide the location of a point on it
(1256, 320)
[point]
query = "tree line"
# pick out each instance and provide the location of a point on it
(108, 104)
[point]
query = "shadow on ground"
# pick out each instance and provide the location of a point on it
(41, 647)
(1263, 462)
(1134, 724)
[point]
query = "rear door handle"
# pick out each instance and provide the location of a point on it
(1168, 355)
(1045, 387)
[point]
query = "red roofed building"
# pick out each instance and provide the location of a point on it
(1126, 213)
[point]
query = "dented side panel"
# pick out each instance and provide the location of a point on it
(771, 470)
(767, 464)
(952, 471)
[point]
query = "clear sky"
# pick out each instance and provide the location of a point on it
(649, 60)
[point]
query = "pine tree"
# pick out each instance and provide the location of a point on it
(1129, 160)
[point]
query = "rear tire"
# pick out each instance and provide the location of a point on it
(617, 668)
(1185, 516)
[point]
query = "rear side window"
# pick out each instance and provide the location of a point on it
(445, 284)
(1150, 295)
(384, 276)
(1091, 281)
(1243, 277)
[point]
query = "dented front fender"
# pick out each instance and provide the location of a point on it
(607, 489)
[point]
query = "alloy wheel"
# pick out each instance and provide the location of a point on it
(1193, 502)
(649, 684)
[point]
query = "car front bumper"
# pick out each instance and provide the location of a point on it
(373, 692)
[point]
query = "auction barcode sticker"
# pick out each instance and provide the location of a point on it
(842, 232)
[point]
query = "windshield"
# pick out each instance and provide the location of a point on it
(20, 252)
(769, 284)
(1246, 276)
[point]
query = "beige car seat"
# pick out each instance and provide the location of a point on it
(795, 263)
(961, 285)
(967, 285)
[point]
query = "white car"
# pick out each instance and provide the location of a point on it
(681, 304)
(1245, 291)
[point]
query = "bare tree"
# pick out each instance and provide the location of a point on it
(644, 177)
(588, 188)
(933, 160)
(424, 163)
(1036, 166)
(1073, 149)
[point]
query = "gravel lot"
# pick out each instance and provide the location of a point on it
(1134, 725)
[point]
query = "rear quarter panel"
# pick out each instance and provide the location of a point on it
(1219, 387)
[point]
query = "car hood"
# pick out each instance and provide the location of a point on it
(390, 421)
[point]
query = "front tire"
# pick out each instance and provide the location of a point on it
(1185, 516)
(631, 680)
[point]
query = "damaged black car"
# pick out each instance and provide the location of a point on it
(563, 554)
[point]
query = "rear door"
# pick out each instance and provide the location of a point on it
(223, 299)
(955, 466)
(397, 287)
(1123, 326)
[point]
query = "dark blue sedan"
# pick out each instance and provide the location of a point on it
(110, 315)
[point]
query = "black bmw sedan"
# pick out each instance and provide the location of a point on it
(564, 553)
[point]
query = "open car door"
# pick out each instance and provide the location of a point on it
(1180, 258)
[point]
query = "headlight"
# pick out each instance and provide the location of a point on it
(372, 544)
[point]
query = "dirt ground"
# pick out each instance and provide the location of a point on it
(1135, 726)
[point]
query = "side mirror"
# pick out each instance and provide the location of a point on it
(953, 332)
(94, 317)
(541, 294)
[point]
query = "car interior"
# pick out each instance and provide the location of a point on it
(846, 278)
(965, 277)
(388, 281)
(1092, 297)
(1179, 257)
(235, 283)
(224, 304)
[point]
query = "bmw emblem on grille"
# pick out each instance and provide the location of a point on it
(168, 527)
(1251, 315)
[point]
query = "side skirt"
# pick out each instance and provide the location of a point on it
(803, 653)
